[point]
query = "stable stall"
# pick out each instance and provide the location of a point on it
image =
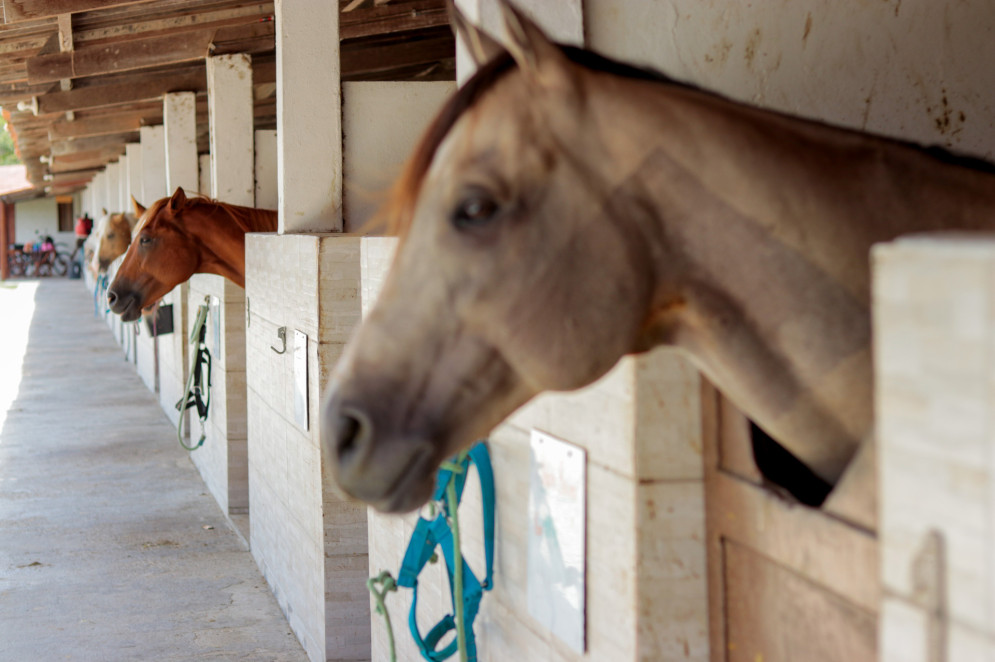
(679, 548)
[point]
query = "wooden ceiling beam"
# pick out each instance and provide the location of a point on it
(15, 11)
(392, 18)
(94, 159)
(125, 56)
(66, 147)
(150, 52)
(373, 57)
(152, 87)
(174, 24)
(101, 126)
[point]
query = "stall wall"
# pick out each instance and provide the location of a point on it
(912, 69)
(933, 328)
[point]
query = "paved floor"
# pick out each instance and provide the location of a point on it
(110, 546)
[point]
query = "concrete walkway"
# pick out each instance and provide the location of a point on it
(110, 546)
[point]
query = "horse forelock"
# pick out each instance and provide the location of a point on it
(396, 214)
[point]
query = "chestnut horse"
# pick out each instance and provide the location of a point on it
(113, 238)
(564, 210)
(178, 237)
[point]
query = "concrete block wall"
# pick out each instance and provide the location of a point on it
(934, 331)
(377, 139)
(641, 427)
(917, 70)
(309, 543)
(223, 459)
(173, 363)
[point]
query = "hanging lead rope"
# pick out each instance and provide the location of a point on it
(443, 531)
(198, 390)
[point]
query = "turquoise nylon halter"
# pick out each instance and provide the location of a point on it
(436, 532)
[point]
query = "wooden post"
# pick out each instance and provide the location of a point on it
(111, 186)
(229, 107)
(123, 204)
(153, 164)
(5, 242)
(205, 175)
(309, 140)
(267, 181)
(180, 137)
(179, 114)
(134, 154)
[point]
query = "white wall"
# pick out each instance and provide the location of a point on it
(915, 69)
(36, 218)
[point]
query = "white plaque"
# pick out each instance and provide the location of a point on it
(300, 379)
(557, 538)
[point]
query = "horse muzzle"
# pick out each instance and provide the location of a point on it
(127, 304)
(392, 474)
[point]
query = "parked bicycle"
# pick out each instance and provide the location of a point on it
(37, 259)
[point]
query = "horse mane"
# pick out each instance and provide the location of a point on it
(397, 212)
(242, 217)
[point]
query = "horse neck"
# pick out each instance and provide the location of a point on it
(758, 228)
(220, 234)
(823, 193)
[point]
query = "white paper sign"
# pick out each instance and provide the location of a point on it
(300, 379)
(557, 538)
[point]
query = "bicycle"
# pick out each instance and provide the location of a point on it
(17, 260)
(43, 259)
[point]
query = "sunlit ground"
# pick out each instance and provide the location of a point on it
(17, 306)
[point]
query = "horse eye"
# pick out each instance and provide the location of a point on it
(474, 211)
(144, 241)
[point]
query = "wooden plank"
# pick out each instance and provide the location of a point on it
(172, 24)
(830, 553)
(23, 10)
(776, 615)
(123, 56)
(62, 148)
(94, 127)
(153, 87)
(392, 18)
(374, 57)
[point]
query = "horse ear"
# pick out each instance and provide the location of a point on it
(482, 47)
(533, 51)
(139, 209)
(104, 209)
(178, 199)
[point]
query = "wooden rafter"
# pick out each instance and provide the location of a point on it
(23, 10)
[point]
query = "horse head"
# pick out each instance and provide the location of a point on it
(493, 296)
(113, 239)
(161, 256)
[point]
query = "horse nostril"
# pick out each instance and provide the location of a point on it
(111, 297)
(352, 434)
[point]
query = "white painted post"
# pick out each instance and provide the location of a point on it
(205, 175)
(153, 164)
(267, 183)
(309, 116)
(229, 107)
(111, 186)
(134, 153)
(179, 112)
(122, 185)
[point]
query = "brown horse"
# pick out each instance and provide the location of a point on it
(178, 237)
(564, 210)
(113, 238)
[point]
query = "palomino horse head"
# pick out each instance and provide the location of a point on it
(161, 257)
(498, 290)
(113, 240)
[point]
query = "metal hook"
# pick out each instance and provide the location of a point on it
(281, 333)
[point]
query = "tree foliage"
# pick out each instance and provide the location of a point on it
(7, 154)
